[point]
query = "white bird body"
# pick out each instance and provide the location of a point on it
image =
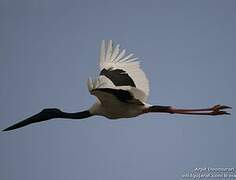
(120, 76)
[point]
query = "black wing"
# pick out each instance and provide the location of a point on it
(118, 76)
(121, 95)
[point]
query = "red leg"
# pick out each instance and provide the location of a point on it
(215, 110)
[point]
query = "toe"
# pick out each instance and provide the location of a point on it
(225, 107)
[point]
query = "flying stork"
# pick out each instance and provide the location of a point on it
(121, 88)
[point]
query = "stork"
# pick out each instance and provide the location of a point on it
(122, 89)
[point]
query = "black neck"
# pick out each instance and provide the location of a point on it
(77, 115)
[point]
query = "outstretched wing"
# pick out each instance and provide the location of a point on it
(123, 71)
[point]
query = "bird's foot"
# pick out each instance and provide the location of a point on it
(216, 110)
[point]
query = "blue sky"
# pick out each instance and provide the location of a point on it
(48, 49)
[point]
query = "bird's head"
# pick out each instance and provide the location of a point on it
(51, 112)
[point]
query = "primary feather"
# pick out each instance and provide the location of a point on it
(112, 58)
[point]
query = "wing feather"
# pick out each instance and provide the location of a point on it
(115, 52)
(121, 55)
(112, 58)
(109, 51)
(102, 53)
(126, 58)
(131, 60)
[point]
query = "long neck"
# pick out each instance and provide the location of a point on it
(77, 115)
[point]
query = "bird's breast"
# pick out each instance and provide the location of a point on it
(118, 110)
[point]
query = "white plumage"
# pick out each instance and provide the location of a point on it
(112, 59)
(116, 59)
